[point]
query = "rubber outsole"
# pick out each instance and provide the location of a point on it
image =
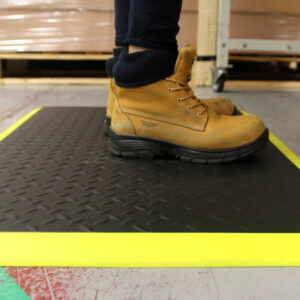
(145, 148)
(236, 112)
(106, 125)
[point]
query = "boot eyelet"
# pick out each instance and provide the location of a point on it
(178, 99)
(188, 107)
(199, 113)
(169, 90)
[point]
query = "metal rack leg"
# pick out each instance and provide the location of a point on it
(219, 73)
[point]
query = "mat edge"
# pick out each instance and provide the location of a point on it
(285, 150)
(132, 249)
(18, 124)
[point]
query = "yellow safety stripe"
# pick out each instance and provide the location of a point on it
(19, 123)
(282, 148)
(149, 249)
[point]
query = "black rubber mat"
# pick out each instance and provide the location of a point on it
(57, 175)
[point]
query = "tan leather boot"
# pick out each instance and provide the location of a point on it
(110, 104)
(220, 105)
(165, 118)
(183, 65)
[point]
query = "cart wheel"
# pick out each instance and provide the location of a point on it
(218, 86)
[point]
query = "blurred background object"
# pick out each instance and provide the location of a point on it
(50, 29)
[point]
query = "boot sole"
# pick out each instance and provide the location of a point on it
(106, 125)
(236, 112)
(145, 148)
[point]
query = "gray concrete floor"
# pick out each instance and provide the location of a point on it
(280, 111)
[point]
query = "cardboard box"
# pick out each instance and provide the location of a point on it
(88, 25)
(265, 26)
(190, 5)
(74, 30)
(188, 28)
(266, 6)
(58, 4)
(187, 5)
(68, 31)
(249, 21)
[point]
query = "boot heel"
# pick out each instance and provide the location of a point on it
(106, 125)
(130, 148)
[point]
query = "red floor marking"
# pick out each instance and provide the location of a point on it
(35, 283)
(110, 283)
(66, 283)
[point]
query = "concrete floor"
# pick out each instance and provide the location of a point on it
(281, 112)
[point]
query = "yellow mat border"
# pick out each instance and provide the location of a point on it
(150, 249)
(286, 151)
(18, 124)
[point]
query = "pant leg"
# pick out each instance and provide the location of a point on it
(121, 28)
(152, 24)
(109, 64)
(121, 21)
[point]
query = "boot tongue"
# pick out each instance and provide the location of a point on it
(184, 64)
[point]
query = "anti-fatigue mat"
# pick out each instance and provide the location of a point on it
(56, 175)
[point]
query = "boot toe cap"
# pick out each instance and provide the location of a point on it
(221, 105)
(234, 131)
(250, 128)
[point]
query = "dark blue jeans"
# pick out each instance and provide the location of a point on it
(146, 23)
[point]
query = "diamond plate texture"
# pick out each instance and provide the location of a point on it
(57, 175)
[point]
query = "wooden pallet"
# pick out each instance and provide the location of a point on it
(53, 56)
(264, 58)
(206, 42)
(104, 56)
(203, 75)
(257, 84)
(57, 80)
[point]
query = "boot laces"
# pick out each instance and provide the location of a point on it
(185, 87)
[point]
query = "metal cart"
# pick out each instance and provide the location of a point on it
(225, 45)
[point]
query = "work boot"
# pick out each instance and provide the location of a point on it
(220, 105)
(111, 82)
(184, 64)
(166, 118)
(110, 104)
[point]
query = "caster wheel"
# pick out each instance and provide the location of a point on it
(218, 86)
